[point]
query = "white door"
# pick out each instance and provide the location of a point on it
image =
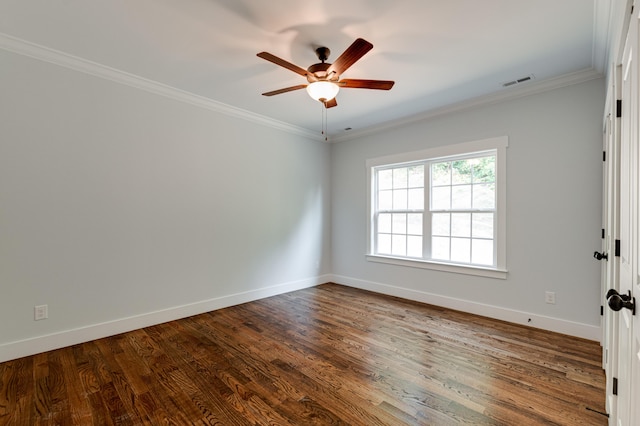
(629, 322)
(611, 266)
(628, 224)
(634, 394)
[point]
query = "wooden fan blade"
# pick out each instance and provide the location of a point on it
(354, 52)
(285, 90)
(366, 84)
(330, 104)
(279, 61)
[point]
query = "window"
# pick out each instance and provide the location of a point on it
(400, 210)
(441, 208)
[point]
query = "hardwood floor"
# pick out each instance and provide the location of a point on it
(327, 355)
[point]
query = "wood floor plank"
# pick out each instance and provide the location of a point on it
(327, 355)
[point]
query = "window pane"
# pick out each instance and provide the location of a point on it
(384, 243)
(384, 223)
(399, 245)
(461, 250)
(461, 172)
(440, 224)
(441, 174)
(399, 223)
(416, 199)
(385, 200)
(414, 224)
(441, 198)
(485, 170)
(482, 225)
(440, 248)
(416, 177)
(484, 196)
(414, 246)
(400, 177)
(461, 225)
(385, 179)
(482, 252)
(399, 199)
(461, 197)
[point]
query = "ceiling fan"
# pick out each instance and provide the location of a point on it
(324, 78)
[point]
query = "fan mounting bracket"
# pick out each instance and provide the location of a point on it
(323, 53)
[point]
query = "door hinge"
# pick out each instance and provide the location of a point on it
(604, 155)
(615, 386)
(601, 310)
(619, 108)
(617, 249)
(603, 233)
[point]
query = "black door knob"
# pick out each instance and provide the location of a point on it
(618, 301)
(624, 297)
(600, 256)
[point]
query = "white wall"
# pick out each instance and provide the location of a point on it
(554, 172)
(121, 208)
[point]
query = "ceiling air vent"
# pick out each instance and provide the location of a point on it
(518, 81)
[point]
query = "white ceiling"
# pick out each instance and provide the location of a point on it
(440, 53)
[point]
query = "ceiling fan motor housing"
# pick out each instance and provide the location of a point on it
(319, 72)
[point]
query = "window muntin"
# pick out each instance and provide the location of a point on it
(461, 209)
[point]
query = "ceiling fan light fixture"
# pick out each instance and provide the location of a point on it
(322, 90)
(324, 78)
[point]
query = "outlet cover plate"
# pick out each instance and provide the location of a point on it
(40, 312)
(550, 297)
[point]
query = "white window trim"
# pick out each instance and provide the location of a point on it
(499, 144)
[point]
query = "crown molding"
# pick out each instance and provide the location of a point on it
(56, 57)
(493, 98)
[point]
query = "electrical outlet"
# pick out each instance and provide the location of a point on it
(550, 297)
(41, 312)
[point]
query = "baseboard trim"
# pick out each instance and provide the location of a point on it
(570, 328)
(35, 345)
(32, 346)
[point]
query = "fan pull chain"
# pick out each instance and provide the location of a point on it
(322, 118)
(324, 121)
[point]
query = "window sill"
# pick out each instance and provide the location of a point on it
(437, 266)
